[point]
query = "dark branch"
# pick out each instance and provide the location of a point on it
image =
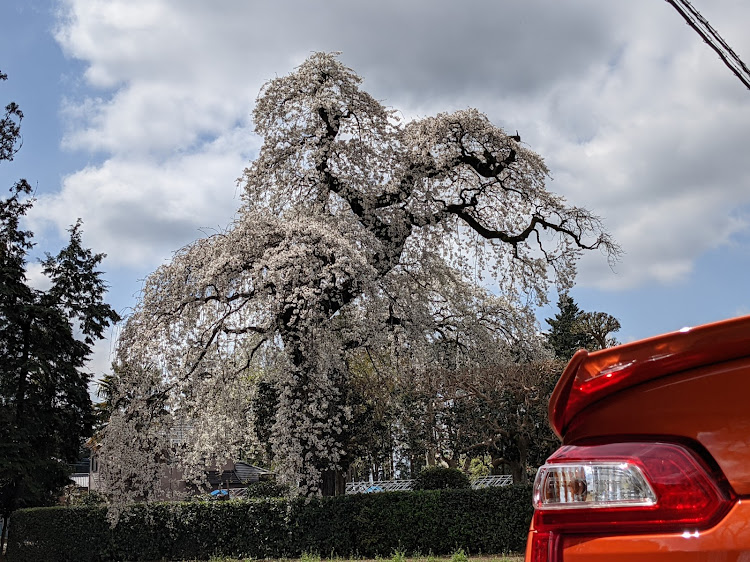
(462, 212)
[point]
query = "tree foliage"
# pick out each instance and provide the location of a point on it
(598, 326)
(564, 338)
(46, 338)
(360, 236)
(574, 329)
(497, 409)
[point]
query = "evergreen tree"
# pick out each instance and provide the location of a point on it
(574, 329)
(565, 337)
(46, 338)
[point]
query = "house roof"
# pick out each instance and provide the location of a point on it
(245, 471)
(242, 474)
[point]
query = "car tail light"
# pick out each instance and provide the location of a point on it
(624, 488)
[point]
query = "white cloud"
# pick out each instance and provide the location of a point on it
(100, 363)
(656, 145)
(151, 118)
(138, 211)
(36, 278)
(637, 118)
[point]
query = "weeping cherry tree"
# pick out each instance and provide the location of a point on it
(360, 235)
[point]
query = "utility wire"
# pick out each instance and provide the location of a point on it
(695, 20)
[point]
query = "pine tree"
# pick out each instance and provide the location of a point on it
(565, 338)
(46, 338)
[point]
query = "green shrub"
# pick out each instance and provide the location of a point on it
(441, 478)
(266, 489)
(91, 499)
(492, 520)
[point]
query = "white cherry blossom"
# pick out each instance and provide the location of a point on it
(357, 233)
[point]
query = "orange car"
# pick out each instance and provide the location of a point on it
(655, 462)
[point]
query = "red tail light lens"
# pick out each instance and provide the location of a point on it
(543, 548)
(628, 487)
(624, 488)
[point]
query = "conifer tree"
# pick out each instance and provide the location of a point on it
(565, 337)
(46, 338)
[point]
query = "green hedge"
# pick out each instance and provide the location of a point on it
(441, 478)
(488, 521)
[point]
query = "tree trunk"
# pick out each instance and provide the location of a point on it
(23, 375)
(333, 483)
(4, 536)
(391, 455)
(517, 472)
(305, 388)
(431, 455)
(498, 466)
(523, 455)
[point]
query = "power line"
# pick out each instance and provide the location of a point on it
(695, 20)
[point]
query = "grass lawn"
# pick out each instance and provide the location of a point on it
(397, 557)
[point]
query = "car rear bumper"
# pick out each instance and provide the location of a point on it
(728, 541)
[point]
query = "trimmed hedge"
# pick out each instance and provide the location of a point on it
(441, 478)
(492, 520)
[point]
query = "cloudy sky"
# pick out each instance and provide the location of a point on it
(138, 122)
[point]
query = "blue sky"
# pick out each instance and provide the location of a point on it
(138, 122)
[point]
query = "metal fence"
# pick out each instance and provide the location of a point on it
(490, 481)
(366, 487)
